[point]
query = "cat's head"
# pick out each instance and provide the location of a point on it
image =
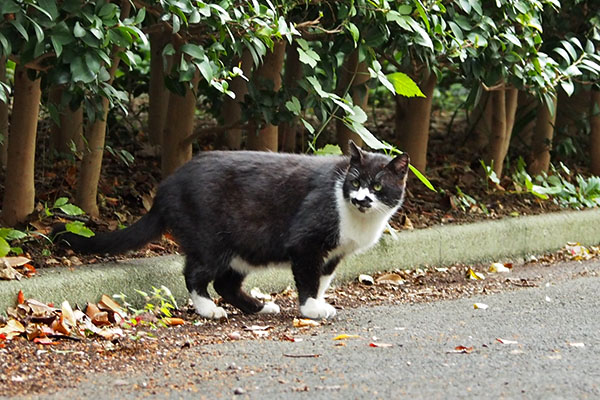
(375, 182)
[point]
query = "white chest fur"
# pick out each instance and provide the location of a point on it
(359, 231)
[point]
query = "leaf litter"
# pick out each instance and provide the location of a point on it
(124, 335)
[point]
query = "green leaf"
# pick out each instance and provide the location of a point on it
(206, 70)
(309, 57)
(19, 27)
(58, 48)
(568, 86)
(193, 50)
(423, 37)
(422, 178)
(308, 126)
(71, 209)
(369, 139)
(293, 105)
(404, 85)
(329, 149)
(4, 247)
(12, 234)
(78, 30)
(423, 14)
(78, 228)
(61, 201)
(354, 32)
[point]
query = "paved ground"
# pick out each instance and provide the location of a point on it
(556, 355)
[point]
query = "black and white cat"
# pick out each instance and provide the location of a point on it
(233, 212)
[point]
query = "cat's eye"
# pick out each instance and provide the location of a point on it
(355, 183)
(377, 187)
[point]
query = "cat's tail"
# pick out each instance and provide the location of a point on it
(148, 228)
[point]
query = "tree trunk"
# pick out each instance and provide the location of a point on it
(503, 108)
(595, 132)
(232, 111)
(525, 119)
(355, 74)
(91, 163)
(481, 121)
(293, 72)
(157, 92)
(542, 139)
(179, 125)
(19, 188)
(3, 118)
(70, 131)
(497, 130)
(266, 138)
(413, 130)
(512, 101)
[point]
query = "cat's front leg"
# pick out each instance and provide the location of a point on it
(313, 277)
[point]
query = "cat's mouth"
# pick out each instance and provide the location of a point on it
(362, 205)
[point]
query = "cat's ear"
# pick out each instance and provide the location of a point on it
(399, 165)
(356, 154)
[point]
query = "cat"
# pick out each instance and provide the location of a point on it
(234, 211)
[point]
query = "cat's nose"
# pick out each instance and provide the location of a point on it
(364, 203)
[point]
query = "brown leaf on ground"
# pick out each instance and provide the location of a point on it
(8, 273)
(462, 350)
(171, 321)
(391, 279)
(108, 304)
(12, 328)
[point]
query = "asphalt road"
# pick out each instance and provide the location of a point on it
(556, 354)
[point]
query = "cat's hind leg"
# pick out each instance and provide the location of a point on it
(197, 280)
(229, 285)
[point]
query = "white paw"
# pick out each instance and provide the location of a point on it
(206, 308)
(317, 309)
(270, 308)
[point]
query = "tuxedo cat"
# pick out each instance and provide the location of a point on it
(233, 212)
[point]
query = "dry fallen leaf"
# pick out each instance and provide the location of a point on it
(9, 273)
(303, 322)
(12, 328)
(235, 335)
(345, 336)
(108, 304)
(291, 338)
(43, 340)
(67, 314)
(506, 341)
(171, 321)
(475, 275)
(14, 261)
(577, 252)
(258, 294)
(462, 350)
(498, 268)
(391, 279)
(20, 297)
(378, 344)
(366, 279)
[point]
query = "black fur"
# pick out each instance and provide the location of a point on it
(262, 207)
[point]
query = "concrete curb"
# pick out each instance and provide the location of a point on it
(508, 238)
